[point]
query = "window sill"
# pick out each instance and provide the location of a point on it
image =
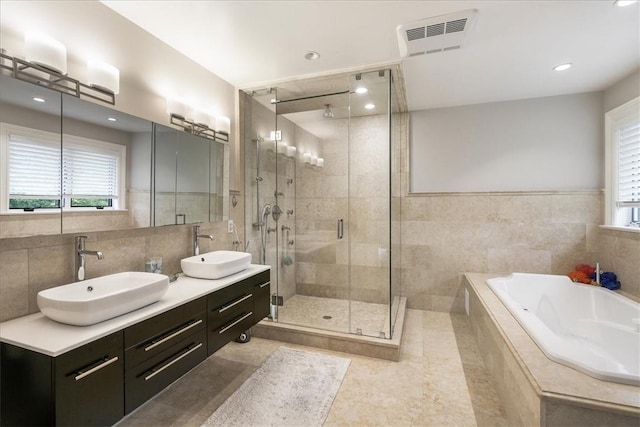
(620, 228)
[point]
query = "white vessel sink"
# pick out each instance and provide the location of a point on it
(214, 265)
(92, 301)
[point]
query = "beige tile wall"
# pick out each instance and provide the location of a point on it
(31, 264)
(619, 251)
(446, 235)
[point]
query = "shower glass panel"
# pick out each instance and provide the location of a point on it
(313, 184)
(369, 203)
(259, 121)
(318, 200)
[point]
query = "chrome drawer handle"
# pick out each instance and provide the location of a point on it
(265, 284)
(81, 374)
(182, 356)
(227, 307)
(154, 344)
(226, 328)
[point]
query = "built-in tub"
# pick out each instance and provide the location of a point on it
(586, 327)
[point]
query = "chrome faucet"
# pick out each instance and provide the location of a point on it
(80, 260)
(196, 239)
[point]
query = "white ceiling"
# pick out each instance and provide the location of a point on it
(508, 55)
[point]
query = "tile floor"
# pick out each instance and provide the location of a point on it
(439, 381)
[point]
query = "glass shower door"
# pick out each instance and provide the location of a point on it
(312, 191)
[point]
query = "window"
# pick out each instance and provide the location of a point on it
(622, 133)
(89, 173)
(37, 174)
(33, 169)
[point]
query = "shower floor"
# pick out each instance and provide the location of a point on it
(367, 319)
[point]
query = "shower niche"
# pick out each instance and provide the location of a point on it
(319, 188)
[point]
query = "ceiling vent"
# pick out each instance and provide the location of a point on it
(437, 34)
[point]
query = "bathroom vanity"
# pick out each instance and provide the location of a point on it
(57, 374)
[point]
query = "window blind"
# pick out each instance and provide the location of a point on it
(89, 173)
(34, 168)
(629, 166)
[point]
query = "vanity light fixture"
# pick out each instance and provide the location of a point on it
(202, 118)
(370, 106)
(562, 67)
(223, 125)
(320, 162)
(35, 98)
(177, 107)
(281, 148)
(46, 52)
(306, 157)
(291, 151)
(103, 76)
(198, 122)
(314, 161)
(623, 3)
(46, 65)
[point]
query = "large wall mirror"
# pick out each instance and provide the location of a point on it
(68, 165)
(30, 159)
(106, 168)
(189, 178)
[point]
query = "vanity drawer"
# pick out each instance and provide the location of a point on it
(153, 375)
(153, 336)
(221, 316)
(241, 320)
(232, 293)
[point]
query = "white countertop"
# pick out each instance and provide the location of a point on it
(39, 333)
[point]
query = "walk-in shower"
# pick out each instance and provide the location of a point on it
(321, 187)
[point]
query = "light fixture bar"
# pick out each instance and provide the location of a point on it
(43, 76)
(198, 129)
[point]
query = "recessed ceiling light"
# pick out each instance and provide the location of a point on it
(370, 106)
(35, 98)
(361, 90)
(311, 55)
(562, 67)
(623, 3)
(112, 119)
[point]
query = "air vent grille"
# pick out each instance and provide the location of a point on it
(437, 34)
(415, 33)
(456, 26)
(435, 30)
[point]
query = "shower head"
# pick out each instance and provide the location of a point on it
(328, 114)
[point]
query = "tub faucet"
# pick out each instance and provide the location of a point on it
(80, 260)
(196, 239)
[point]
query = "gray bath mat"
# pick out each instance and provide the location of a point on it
(292, 388)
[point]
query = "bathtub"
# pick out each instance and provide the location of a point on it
(588, 328)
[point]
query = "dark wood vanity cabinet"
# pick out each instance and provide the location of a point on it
(102, 381)
(162, 349)
(83, 387)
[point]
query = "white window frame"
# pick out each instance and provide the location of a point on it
(615, 119)
(119, 150)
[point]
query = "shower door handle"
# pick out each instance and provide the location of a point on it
(340, 228)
